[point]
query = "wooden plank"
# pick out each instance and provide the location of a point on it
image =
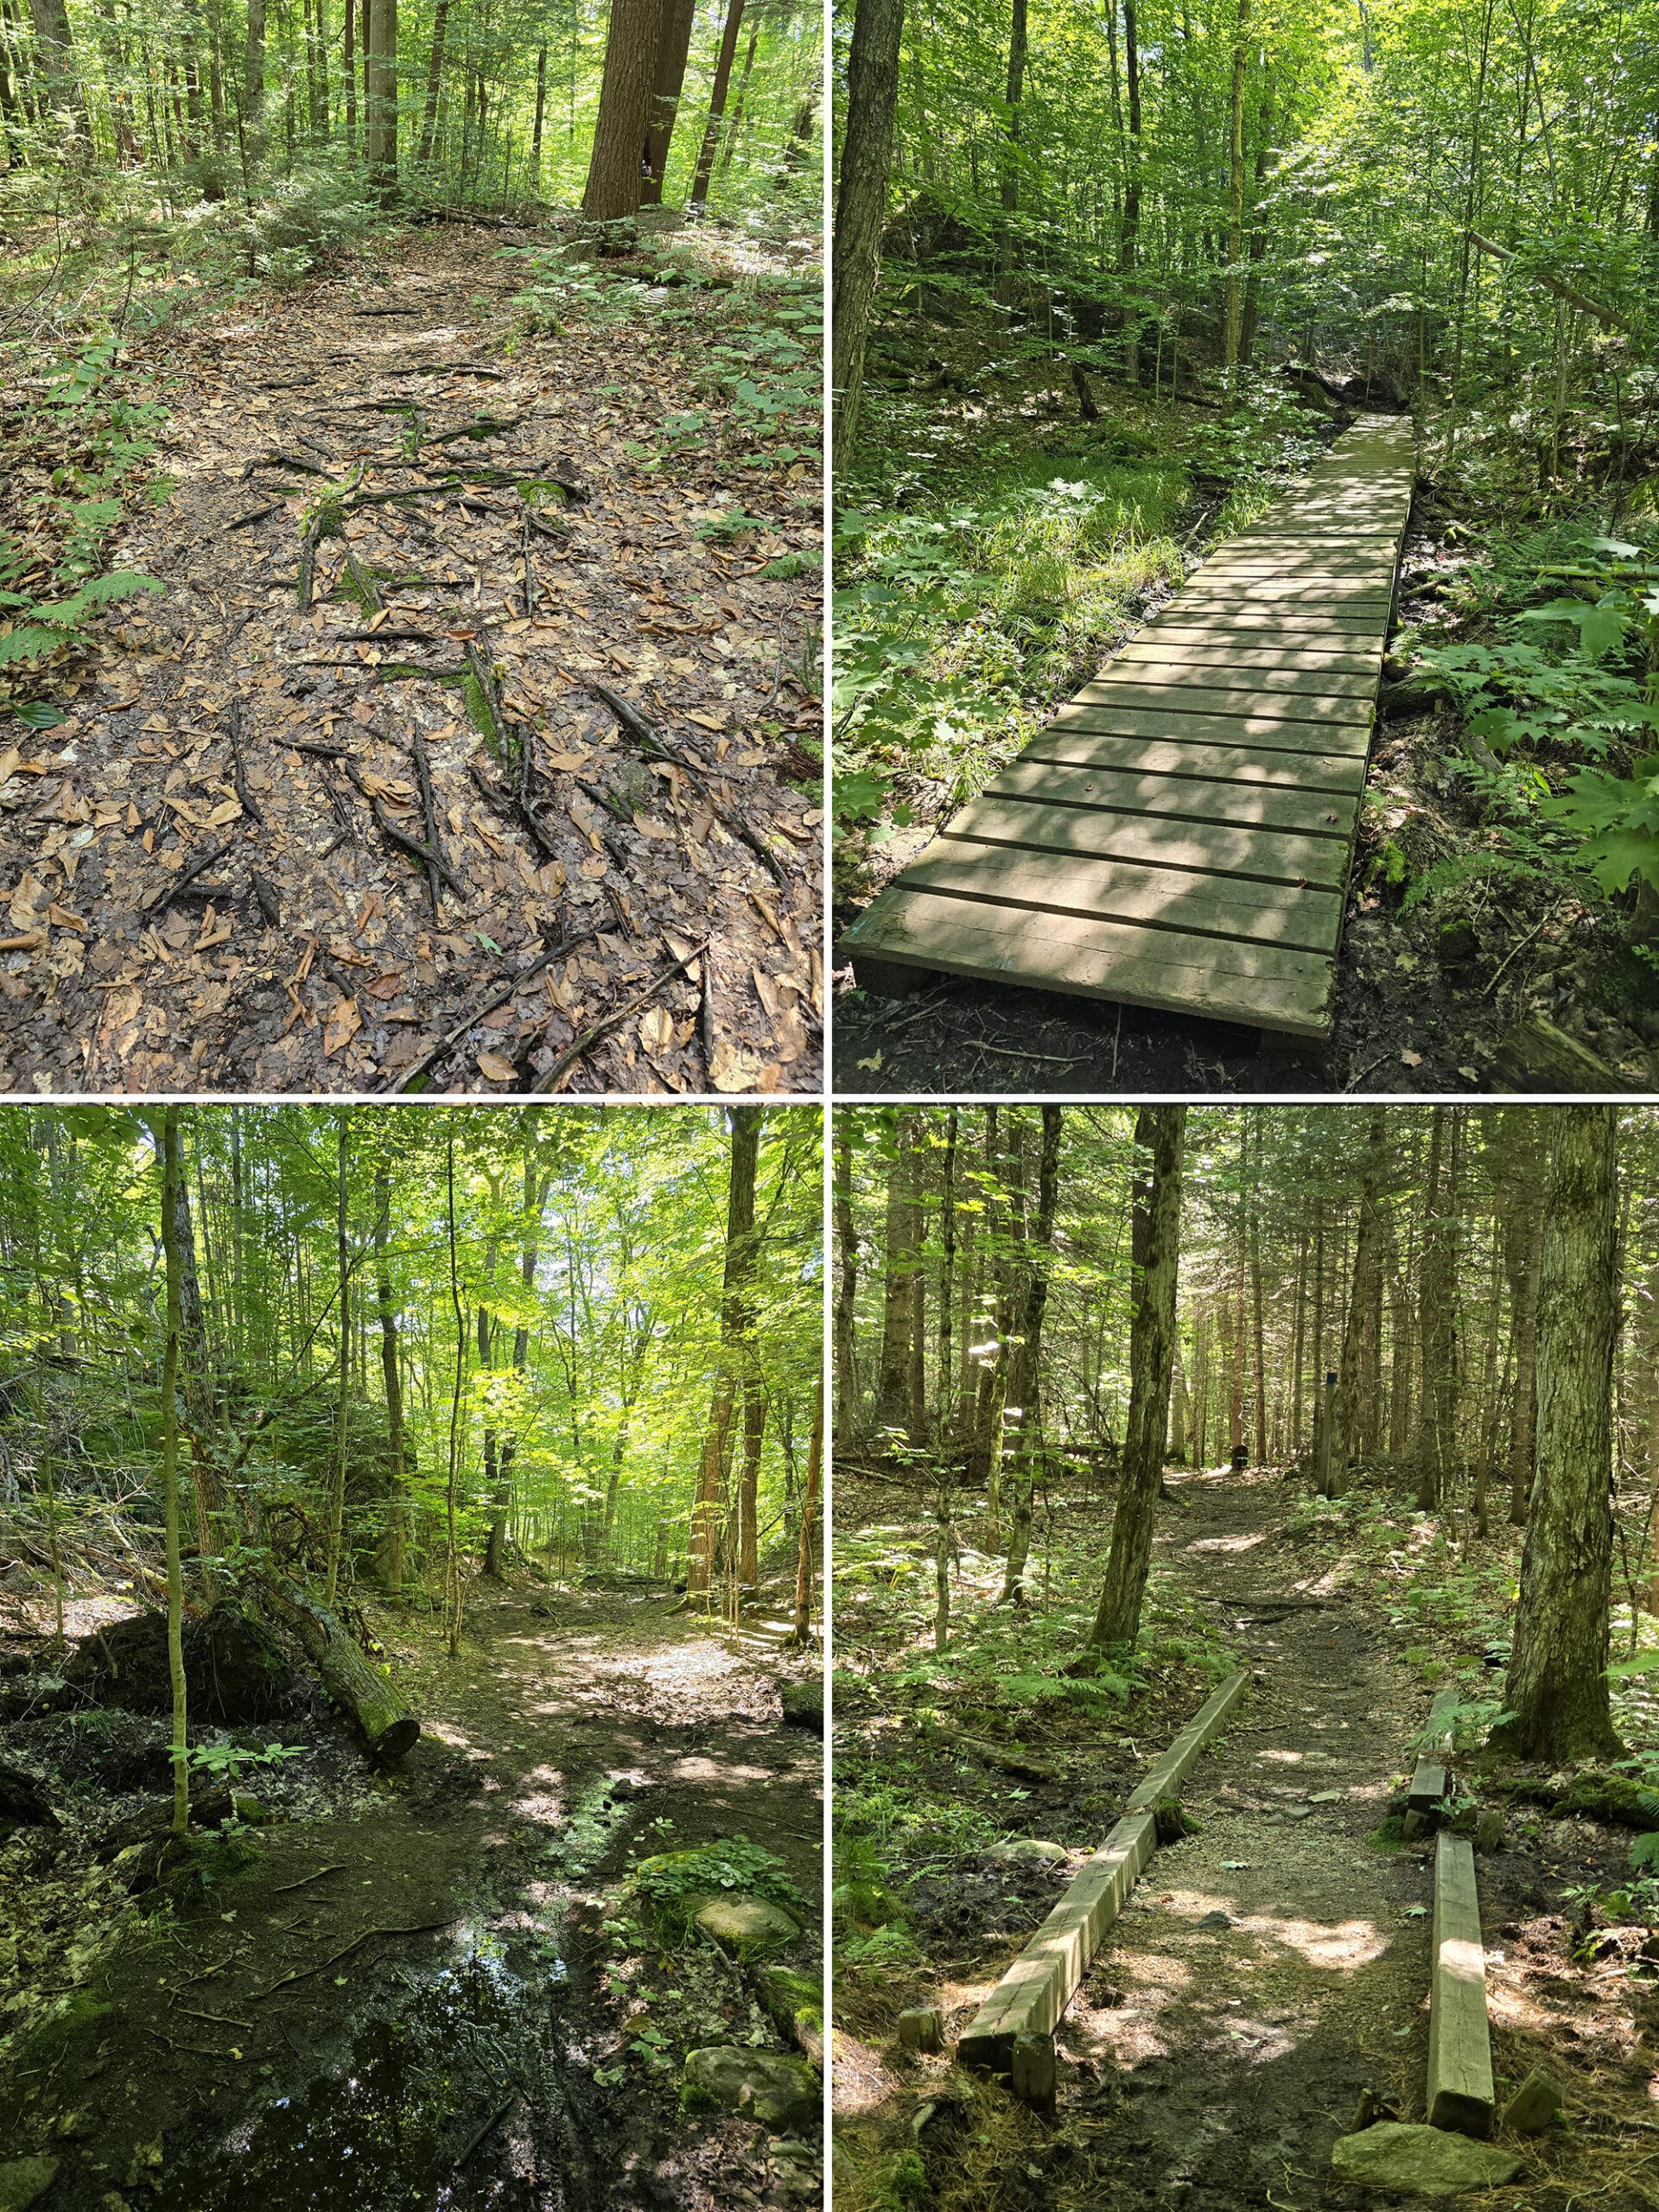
(1181, 835)
(1183, 694)
(1459, 2041)
(1032, 1995)
(1286, 992)
(1185, 799)
(1271, 733)
(1326, 774)
(1166, 1778)
(1428, 1777)
(1123, 891)
(1222, 674)
(1252, 852)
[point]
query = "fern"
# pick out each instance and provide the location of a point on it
(1462, 868)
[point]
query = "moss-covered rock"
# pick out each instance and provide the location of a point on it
(781, 2093)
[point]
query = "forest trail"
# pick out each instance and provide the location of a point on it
(1179, 837)
(455, 2064)
(209, 870)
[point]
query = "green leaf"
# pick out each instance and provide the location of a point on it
(1644, 1852)
(1645, 1663)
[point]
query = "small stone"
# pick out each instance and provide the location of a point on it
(1326, 1797)
(922, 2028)
(1031, 1848)
(22, 2180)
(247, 1809)
(782, 2094)
(1298, 1811)
(1217, 1920)
(746, 1925)
(1489, 1828)
(1431, 2161)
(1534, 2104)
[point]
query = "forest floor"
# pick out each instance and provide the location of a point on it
(1426, 993)
(1267, 1969)
(492, 2041)
(201, 859)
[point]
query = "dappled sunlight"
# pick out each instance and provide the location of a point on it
(1342, 1949)
(1279, 1758)
(1244, 1540)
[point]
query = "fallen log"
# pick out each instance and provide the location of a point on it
(370, 1698)
(1608, 315)
(1010, 1761)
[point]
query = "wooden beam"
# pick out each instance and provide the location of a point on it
(1428, 1777)
(1459, 2042)
(1035, 1991)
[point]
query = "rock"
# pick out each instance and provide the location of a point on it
(22, 2180)
(782, 2094)
(247, 1809)
(25, 1798)
(1298, 1811)
(625, 1787)
(1326, 1797)
(1429, 2161)
(797, 2171)
(1030, 1850)
(1534, 2104)
(803, 1704)
(922, 2028)
(1489, 1828)
(746, 1925)
(1374, 2104)
(18, 1580)
(1217, 1920)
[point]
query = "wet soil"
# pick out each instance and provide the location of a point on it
(289, 749)
(1271, 1967)
(410, 1997)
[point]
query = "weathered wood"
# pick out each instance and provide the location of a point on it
(1259, 675)
(1459, 2041)
(1029, 2001)
(1166, 1778)
(371, 1698)
(1428, 1777)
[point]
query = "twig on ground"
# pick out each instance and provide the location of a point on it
(304, 1973)
(199, 867)
(411, 1076)
(633, 721)
(573, 1052)
(340, 1866)
(428, 814)
(250, 806)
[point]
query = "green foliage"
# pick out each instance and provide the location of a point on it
(673, 1885)
(311, 217)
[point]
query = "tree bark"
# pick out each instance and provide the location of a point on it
(380, 96)
(716, 105)
(370, 1698)
(1235, 190)
(893, 1394)
(809, 1530)
(1155, 1238)
(668, 77)
(846, 1354)
(861, 201)
(1347, 1421)
(734, 1321)
(171, 1181)
(1436, 1443)
(342, 1291)
(1026, 1379)
(393, 1543)
(434, 74)
(1557, 1686)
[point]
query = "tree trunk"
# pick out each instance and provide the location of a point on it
(253, 88)
(673, 45)
(434, 74)
(380, 96)
(171, 1182)
(371, 1699)
(1522, 1188)
(1236, 191)
(615, 167)
(392, 1545)
(893, 1394)
(1155, 1239)
(1129, 238)
(748, 1489)
(734, 1320)
(1557, 1688)
(337, 1495)
(716, 105)
(809, 1522)
(861, 201)
(1026, 1380)
(1347, 1422)
(1436, 1443)
(846, 1351)
(1010, 192)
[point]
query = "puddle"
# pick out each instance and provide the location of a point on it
(414, 2116)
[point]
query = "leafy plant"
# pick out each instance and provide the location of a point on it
(674, 1885)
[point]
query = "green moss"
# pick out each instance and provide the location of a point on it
(1390, 1836)
(46, 2044)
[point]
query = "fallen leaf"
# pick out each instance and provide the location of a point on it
(496, 1068)
(873, 1064)
(343, 1025)
(732, 1068)
(11, 760)
(386, 987)
(64, 919)
(1412, 1059)
(707, 722)
(593, 869)
(656, 1029)
(226, 810)
(30, 941)
(567, 759)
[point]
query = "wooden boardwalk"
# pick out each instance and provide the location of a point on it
(1179, 837)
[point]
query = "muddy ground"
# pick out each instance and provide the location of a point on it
(409, 1997)
(287, 749)
(1270, 1969)
(1420, 1010)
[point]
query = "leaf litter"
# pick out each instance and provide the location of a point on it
(524, 797)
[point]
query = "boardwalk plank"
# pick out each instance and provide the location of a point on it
(1179, 837)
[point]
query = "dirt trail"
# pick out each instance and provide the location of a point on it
(456, 2065)
(1272, 1967)
(312, 952)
